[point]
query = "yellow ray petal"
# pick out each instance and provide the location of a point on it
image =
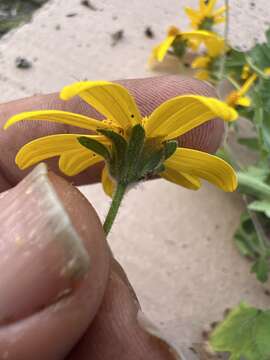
(214, 43)
(107, 182)
(202, 5)
(247, 85)
(193, 15)
(48, 147)
(200, 62)
(111, 100)
(57, 116)
(202, 75)
(75, 161)
(219, 11)
(219, 20)
(179, 178)
(205, 166)
(182, 113)
(161, 50)
(243, 101)
(210, 6)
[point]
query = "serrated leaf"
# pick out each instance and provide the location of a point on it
(261, 269)
(260, 206)
(95, 146)
(245, 333)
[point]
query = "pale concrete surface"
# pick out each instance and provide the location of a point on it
(176, 245)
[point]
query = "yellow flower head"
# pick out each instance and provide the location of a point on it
(202, 63)
(178, 42)
(237, 97)
(205, 17)
(170, 120)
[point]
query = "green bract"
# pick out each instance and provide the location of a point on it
(133, 160)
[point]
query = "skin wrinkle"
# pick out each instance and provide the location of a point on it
(149, 93)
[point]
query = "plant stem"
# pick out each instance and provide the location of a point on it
(226, 34)
(116, 202)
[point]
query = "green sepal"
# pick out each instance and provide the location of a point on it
(95, 146)
(179, 47)
(170, 148)
(119, 148)
(152, 163)
(207, 24)
(133, 154)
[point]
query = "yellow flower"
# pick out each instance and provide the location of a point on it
(202, 63)
(169, 121)
(237, 97)
(246, 72)
(205, 17)
(178, 41)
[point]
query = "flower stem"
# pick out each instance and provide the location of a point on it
(226, 34)
(116, 202)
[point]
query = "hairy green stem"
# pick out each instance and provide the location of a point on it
(116, 202)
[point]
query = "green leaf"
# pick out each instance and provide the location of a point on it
(261, 269)
(260, 206)
(259, 56)
(95, 146)
(250, 185)
(246, 238)
(251, 143)
(170, 148)
(235, 60)
(260, 172)
(244, 334)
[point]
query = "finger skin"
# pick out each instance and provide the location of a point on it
(149, 93)
(115, 333)
(97, 319)
(50, 331)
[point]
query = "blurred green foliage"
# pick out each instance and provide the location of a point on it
(16, 12)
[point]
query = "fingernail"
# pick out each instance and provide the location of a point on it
(42, 257)
(148, 326)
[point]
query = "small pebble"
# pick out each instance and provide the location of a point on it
(149, 33)
(23, 63)
(117, 37)
(88, 4)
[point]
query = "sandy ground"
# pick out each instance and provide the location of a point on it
(175, 245)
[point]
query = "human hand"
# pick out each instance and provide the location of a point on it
(63, 296)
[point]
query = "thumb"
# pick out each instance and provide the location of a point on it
(54, 267)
